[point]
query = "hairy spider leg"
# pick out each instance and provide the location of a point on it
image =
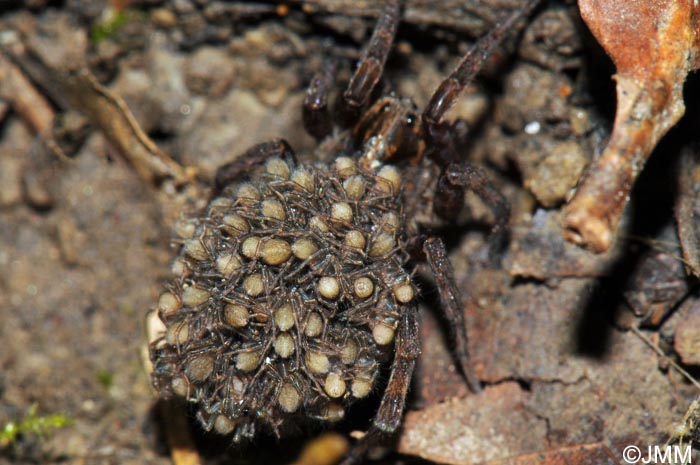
(451, 304)
(358, 93)
(371, 66)
(254, 156)
(473, 61)
(315, 113)
(388, 417)
(458, 175)
(450, 192)
(471, 177)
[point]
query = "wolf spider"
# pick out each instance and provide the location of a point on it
(292, 288)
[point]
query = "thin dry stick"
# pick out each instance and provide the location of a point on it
(661, 353)
(182, 448)
(74, 86)
(113, 117)
(28, 103)
(659, 245)
(25, 99)
(694, 406)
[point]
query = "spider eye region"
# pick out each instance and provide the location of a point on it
(394, 122)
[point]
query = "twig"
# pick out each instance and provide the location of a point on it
(25, 99)
(661, 353)
(74, 86)
(654, 46)
(182, 448)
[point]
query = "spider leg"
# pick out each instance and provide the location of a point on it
(450, 89)
(388, 417)
(451, 304)
(252, 157)
(449, 198)
(371, 66)
(315, 114)
(407, 349)
(457, 176)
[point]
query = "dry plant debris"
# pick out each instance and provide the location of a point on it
(654, 44)
(84, 244)
(25, 99)
(66, 77)
(326, 449)
(688, 209)
(453, 431)
(687, 338)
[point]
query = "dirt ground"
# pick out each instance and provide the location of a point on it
(578, 351)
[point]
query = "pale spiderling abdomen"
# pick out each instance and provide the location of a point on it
(288, 289)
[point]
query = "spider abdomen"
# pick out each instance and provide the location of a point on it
(288, 288)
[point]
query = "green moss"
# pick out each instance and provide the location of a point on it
(32, 424)
(105, 378)
(110, 23)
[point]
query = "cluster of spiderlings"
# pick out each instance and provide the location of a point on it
(289, 289)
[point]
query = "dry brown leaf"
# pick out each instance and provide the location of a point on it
(654, 44)
(687, 338)
(480, 428)
(580, 454)
(623, 400)
(537, 250)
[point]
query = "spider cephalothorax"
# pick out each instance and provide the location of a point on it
(294, 285)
